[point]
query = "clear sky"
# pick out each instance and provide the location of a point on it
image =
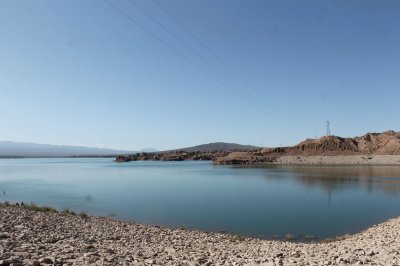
(125, 74)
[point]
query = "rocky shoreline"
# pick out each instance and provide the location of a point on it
(48, 238)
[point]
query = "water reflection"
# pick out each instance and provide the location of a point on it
(336, 178)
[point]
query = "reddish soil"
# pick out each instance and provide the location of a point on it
(386, 143)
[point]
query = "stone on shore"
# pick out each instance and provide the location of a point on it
(47, 238)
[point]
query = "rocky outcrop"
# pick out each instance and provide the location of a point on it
(327, 145)
(37, 238)
(386, 143)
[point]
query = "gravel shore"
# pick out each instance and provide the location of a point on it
(45, 238)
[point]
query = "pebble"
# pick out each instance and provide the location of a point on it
(55, 239)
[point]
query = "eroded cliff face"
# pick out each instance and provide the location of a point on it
(386, 143)
(327, 145)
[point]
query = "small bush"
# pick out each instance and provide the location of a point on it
(83, 215)
(68, 212)
(34, 207)
(48, 209)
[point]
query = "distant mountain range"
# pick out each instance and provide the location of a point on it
(218, 146)
(149, 150)
(27, 149)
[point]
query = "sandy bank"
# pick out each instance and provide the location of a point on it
(245, 158)
(37, 238)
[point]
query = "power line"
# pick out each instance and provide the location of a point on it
(191, 33)
(194, 51)
(168, 45)
(220, 59)
(137, 23)
(144, 28)
(173, 34)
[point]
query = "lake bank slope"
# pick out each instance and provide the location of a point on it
(41, 238)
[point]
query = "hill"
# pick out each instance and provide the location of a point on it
(27, 149)
(218, 146)
(385, 143)
(199, 152)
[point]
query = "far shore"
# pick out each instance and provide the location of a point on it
(280, 160)
(45, 237)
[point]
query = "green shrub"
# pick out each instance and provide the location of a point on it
(34, 207)
(83, 215)
(68, 212)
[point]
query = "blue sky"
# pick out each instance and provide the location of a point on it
(82, 73)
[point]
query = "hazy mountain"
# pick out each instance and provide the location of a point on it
(219, 146)
(26, 149)
(149, 150)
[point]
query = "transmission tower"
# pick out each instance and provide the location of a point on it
(328, 130)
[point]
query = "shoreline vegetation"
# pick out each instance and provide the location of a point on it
(32, 235)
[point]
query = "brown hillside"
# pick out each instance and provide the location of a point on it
(328, 145)
(386, 143)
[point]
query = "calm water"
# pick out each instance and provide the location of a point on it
(262, 202)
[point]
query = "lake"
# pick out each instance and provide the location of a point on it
(270, 202)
